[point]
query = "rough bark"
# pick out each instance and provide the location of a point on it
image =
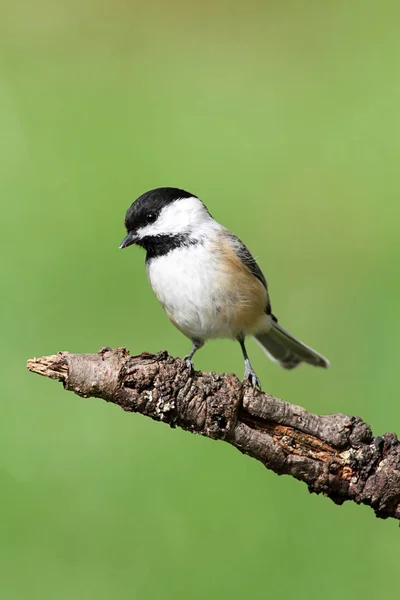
(335, 455)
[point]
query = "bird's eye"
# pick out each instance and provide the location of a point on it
(151, 217)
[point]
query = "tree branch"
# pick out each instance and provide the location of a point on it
(335, 455)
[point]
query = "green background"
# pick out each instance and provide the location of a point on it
(284, 118)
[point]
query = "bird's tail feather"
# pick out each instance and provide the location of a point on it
(286, 350)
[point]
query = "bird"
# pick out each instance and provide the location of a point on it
(207, 281)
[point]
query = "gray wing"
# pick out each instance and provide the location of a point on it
(248, 259)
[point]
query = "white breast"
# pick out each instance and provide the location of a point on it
(186, 281)
(198, 295)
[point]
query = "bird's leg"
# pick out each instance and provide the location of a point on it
(248, 369)
(196, 345)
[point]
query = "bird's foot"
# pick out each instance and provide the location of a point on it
(250, 375)
(189, 363)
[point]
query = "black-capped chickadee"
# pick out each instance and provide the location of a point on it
(206, 279)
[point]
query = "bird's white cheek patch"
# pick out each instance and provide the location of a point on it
(182, 216)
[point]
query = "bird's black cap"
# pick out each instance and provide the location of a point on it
(150, 205)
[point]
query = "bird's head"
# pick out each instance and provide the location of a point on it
(164, 212)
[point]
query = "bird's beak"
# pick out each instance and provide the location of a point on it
(128, 240)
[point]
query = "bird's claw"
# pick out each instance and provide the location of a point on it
(252, 378)
(189, 364)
